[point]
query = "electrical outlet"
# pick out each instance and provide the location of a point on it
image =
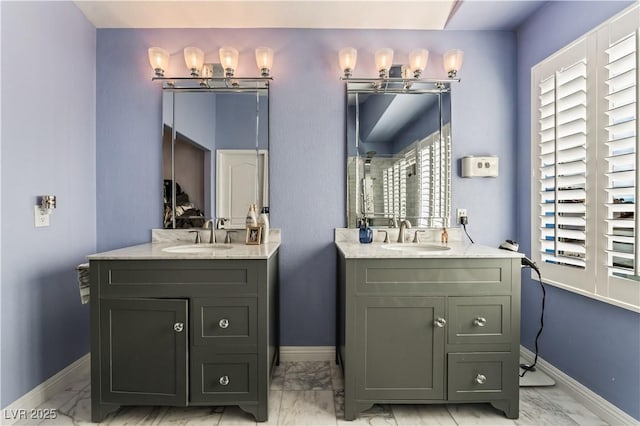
(40, 218)
(461, 213)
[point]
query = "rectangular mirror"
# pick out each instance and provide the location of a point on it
(215, 154)
(398, 154)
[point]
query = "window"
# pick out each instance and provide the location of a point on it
(584, 156)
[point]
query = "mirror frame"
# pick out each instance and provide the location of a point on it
(259, 86)
(396, 86)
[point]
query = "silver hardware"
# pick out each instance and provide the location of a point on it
(415, 236)
(178, 327)
(440, 322)
(224, 380)
(47, 202)
(223, 323)
(480, 321)
(481, 379)
(197, 236)
(227, 238)
(212, 235)
(386, 236)
(404, 225)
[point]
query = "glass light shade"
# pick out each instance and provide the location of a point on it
(229, 60)
(347, 58)
(264, 60)
(453, 61)
(159, 60)
(418, 61)
(194, 58)
(384, 59)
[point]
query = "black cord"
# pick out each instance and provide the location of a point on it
(544, 294)
(464, 226)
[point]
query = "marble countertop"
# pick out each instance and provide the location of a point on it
(457, 249)
(155, 251)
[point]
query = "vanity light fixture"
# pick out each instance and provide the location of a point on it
(347, 57)
(453, 61)
(418, 61)
(159, 59)
(194, 58)
(229, 60)
(384, 60)
(264, 60)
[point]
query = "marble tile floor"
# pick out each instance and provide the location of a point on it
(311, 393)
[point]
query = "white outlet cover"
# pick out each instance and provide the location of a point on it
(40, 219)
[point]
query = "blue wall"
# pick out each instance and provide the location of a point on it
(307, 146)
(595, 343)
(48, 147)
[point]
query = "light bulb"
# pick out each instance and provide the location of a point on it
(159, 60)
(453, 61)
(194, 58)
(229, 60)
(264, 60)
(418, 61)
(347, 58)
(384, 60)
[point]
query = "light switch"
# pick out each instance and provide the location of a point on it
(480, 166)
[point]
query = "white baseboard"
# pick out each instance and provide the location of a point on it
(600, 406)
(47, 389)
(307, 353)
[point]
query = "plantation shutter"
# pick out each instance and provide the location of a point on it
(562, 128)
(621, 220)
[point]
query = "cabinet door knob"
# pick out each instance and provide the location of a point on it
(224, 380)
(440, 322)
(178, 327)
(480, 379)
(480, 321)
(223, 323)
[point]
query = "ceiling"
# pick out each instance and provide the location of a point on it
(348, 14)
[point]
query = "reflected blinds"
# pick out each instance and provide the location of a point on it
(562, 161)
(622, 157)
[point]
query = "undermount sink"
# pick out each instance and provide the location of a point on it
(196, 248)
(416, 248)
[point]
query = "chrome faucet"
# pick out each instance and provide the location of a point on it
(404, 225)
(415, 236)
(227, 238)
(212, 235)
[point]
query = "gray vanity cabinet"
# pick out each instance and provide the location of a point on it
(429, 330)
(183, 332)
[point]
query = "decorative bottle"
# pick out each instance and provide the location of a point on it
(252, 220)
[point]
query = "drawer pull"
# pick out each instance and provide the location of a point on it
(440, 322)
(178, 327)
(480, 321)
(481, 379)
(224, 380)
(223, 323)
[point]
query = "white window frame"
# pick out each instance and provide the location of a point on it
(594, 279)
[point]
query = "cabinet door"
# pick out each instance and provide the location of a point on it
(399, 350)
(143, 349)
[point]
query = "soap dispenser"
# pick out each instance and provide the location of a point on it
(263, 221)
(366, 233)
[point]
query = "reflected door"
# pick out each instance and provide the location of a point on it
(241, 180)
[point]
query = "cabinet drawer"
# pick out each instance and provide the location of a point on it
(479, 320)
(409, 277)
(481, 376)
(223, 378)
(176, 278)
(229, 323)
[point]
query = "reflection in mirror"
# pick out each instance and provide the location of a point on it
(399, 155)
(201, 127)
